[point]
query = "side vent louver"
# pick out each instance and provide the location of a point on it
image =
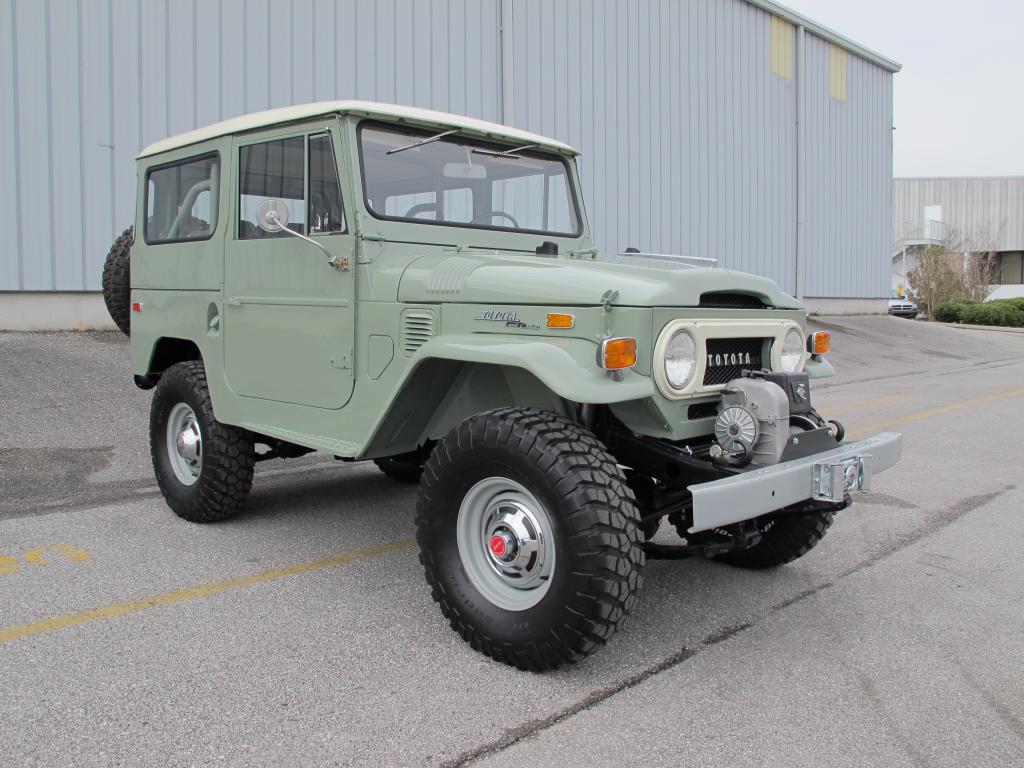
(417, 329)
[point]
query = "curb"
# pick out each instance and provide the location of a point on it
(999, 328)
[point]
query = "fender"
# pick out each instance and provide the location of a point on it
(456, 375)
(566, 366)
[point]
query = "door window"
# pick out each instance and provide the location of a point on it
(326, 213)
(273, 174)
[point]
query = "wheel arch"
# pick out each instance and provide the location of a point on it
(167, 351)
(456, 377)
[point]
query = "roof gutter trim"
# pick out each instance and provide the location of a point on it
(825, 33)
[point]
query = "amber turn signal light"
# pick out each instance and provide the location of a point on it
(819, 343)
(560, 320)
(616, 354)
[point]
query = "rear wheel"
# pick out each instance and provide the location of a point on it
(529, 537)
(204, 468)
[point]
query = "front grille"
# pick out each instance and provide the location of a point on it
(727, 300)
(727, 358)
(702, 410)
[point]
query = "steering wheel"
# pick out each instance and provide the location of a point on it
(491, 214)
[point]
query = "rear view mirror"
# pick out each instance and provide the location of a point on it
(464, 171)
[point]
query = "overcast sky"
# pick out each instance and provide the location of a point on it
(959, 100)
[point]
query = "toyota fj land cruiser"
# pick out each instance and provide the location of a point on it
(420, 289)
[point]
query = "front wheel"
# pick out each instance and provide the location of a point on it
(784, 538)
(529, 537)
(204, 468)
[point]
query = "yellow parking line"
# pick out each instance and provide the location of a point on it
(190, 593)
(912, 417)
(857, 404)
(365, 553)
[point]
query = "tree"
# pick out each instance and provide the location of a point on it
(949, 272)
(935, 279)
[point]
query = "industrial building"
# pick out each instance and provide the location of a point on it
(972, 215)
(732, 129)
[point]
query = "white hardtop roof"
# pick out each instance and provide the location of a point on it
(282, 115)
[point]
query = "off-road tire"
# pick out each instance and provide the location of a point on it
(116, 281)
(598, 543)
(406, 468)
(228, 453)
(783, 540)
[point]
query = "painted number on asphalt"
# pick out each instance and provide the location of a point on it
(42, 556)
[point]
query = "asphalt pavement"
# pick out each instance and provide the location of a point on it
(302, 631)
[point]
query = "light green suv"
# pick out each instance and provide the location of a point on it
(420, 289)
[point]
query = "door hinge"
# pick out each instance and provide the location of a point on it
(343, 361)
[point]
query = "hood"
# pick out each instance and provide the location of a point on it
(526, 279)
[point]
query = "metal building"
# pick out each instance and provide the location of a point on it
(967, 214)
(735, 129)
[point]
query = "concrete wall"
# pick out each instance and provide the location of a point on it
(686, 111)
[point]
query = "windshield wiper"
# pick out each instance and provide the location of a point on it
(423, 141)
(507, 153)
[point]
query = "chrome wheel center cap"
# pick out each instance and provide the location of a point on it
(503, 546)
(188, 442)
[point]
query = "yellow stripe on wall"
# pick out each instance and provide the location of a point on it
(782, 48)
(837, 58)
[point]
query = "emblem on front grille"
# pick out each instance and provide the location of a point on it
(729, 358)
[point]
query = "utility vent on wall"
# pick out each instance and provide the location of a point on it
(417, 329)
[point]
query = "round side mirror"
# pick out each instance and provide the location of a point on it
(273, 215)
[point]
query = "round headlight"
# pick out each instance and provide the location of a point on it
(680, 359)
(793, 351)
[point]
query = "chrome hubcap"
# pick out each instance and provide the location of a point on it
(506, 543)
(184, 444)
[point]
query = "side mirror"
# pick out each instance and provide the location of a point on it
(272, 216)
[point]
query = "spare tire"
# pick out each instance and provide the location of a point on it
(117, 284)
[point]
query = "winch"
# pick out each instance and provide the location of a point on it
(752, 426)
(759, 414)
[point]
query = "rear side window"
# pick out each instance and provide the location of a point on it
(181, 200)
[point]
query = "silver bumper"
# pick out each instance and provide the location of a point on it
(823, 476)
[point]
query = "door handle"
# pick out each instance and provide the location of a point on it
(232, 302)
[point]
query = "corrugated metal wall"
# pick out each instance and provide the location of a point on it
(987, 212)
(849, 174)
(689, 140)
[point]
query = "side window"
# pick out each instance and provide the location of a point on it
(181, 200)
(326, 213)
(273, 170)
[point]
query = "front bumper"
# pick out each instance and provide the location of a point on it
(767, 489)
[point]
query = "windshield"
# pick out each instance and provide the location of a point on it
(440, 178)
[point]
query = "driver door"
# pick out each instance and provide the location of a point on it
(289, 314)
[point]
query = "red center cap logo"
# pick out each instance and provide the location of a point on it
(497, 545)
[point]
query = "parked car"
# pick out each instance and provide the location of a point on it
(900, 306)
(421, 290)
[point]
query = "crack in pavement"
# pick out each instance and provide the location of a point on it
(121, 491)
(532, 728)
